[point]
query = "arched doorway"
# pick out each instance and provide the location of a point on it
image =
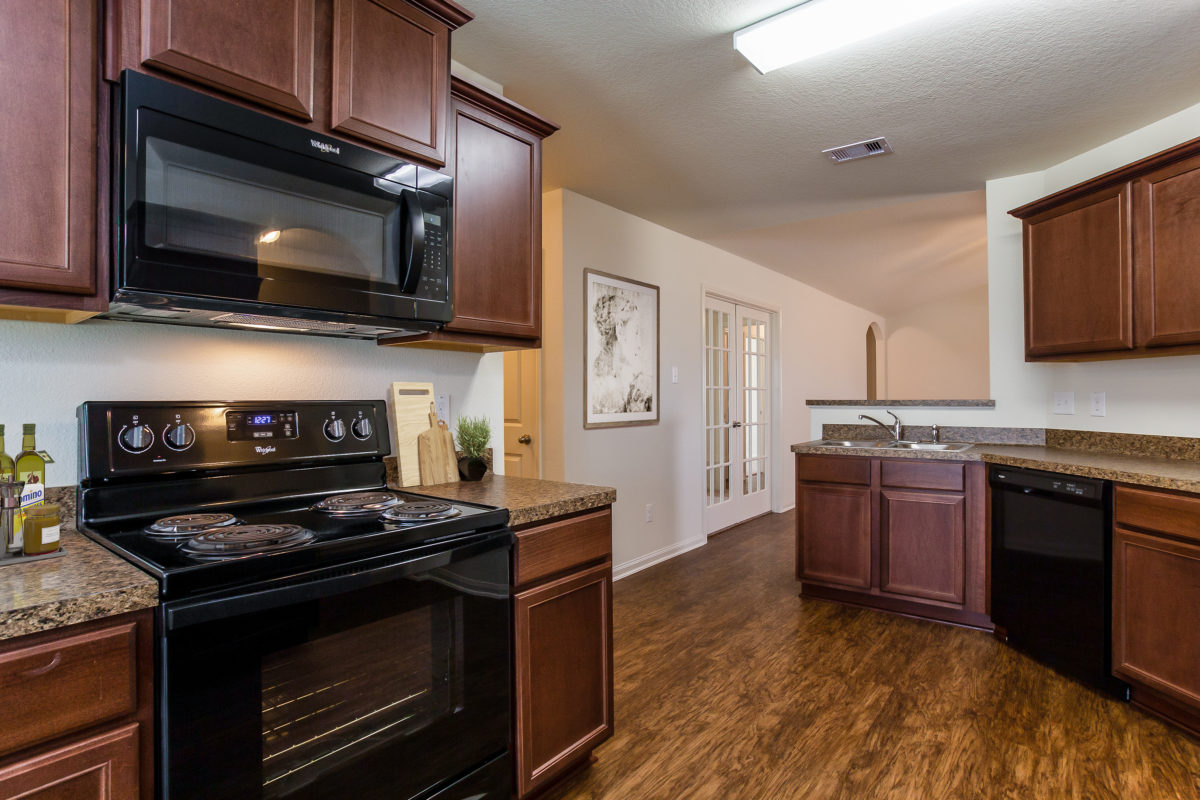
(873, 336)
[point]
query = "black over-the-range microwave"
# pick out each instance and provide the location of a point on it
(227, 217)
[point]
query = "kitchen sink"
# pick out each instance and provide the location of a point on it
(870, 443)
(949, 447)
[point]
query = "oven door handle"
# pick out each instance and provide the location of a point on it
(337, 582)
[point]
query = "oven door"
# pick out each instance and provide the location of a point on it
(364, 681)
(228, 205)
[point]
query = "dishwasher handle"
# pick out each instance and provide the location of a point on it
(1032, 480)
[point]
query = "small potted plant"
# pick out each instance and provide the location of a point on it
(473, 435)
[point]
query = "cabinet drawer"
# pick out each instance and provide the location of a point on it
(1173, 514)
(834, 469)
(559, 546)
(922, 475)
(63, 685)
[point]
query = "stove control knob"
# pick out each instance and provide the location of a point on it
(136, 438)
(335, 430)
(361, 428)
(179, 436)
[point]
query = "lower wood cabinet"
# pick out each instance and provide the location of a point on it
(903, 535)
(78, 721)
(1156, 601)
(563, 646)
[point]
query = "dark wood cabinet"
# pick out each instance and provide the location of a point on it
(51, 159)
(391, 73)
(562, 609)
(1156, 598)
(495, 150)
(260, 51)
(1112, 265)
(909, 537)
(81, 725)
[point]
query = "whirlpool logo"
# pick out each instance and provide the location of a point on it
(262, 451)
(325, 147)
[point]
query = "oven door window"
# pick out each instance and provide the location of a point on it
(384, 692)
(217, 215)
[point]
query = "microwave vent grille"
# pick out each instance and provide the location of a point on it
(263, 321)
(849, 152)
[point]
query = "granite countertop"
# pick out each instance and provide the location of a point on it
(87, 582)
(527, 499)
(1161, 472)
(904, 403)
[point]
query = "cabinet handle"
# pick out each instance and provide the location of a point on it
(54, 662)
(526, 439)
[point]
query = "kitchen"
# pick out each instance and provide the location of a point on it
(115, 360)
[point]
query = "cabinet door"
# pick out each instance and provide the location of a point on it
(391, 76)
(497, 225)
(1078, 276)
(833, 535)
(564, 674)
(103, 767)
(1156, 596)
(1167, 213)
(922, 545)
(48, 86)
(261, 51)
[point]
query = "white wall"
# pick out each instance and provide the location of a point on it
(1153, 395)
(47, 370)
(822, 347)
(939, 349)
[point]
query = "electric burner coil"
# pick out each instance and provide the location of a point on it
(182, 525)
(242, 540)
(357, 503)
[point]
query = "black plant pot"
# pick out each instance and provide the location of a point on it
(471, 469)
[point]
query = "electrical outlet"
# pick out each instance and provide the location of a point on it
(1064, 402)
(674, 374)
(441, 404)
(1099, 404)
(649, 512)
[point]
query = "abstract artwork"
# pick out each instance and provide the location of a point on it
(621, 342)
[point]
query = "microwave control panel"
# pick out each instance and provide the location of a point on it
(434, 283)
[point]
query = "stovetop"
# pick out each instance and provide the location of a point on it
(337, 539)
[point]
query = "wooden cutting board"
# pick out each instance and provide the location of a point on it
(435, 450)
(409, 404)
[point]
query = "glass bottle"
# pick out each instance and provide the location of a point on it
(41, 530)
(6, 461)
(29, 462)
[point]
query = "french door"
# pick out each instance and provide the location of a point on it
(737, 390)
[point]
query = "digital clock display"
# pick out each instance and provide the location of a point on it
(262, 419)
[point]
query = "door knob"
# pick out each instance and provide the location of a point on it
(526, 439)
(737, 424)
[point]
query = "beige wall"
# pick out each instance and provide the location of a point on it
(939, 350)
(821, 347)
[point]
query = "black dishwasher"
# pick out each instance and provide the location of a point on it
(1052, 571)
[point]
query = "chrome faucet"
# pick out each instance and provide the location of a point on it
(893, 430)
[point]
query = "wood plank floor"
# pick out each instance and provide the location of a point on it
(731, 687)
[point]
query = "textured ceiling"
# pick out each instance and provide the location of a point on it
(662, 118)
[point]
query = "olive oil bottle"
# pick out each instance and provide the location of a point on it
(6, 461)
(30, 465)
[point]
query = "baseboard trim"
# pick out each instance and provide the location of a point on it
(657, 557)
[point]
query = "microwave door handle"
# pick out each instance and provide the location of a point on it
(413, 251)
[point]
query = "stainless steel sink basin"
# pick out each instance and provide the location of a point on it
(950, 447)
(852, 443)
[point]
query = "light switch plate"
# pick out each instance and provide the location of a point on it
(674, 374)
(1064, 402)
(1099, 404)
(441, 404)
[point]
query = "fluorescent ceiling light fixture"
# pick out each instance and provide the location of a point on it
(820, 26)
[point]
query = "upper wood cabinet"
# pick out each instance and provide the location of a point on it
(495, 151)
(1112, 266)
(376, 70)
(391, 72)
(51, 159)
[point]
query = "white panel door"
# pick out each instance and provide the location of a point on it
(737, 368)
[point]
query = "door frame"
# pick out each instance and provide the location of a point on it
(774, 414)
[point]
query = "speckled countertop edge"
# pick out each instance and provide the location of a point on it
(527, 499)
(86, 583)
(903, 403)
(1157, 472)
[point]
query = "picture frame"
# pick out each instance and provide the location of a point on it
(621, 351)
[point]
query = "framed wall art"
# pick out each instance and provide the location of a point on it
(620, 379)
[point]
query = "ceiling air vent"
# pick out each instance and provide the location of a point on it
(848, 152)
